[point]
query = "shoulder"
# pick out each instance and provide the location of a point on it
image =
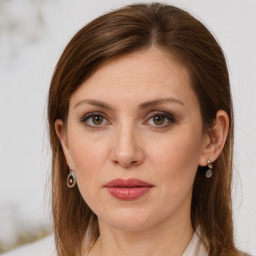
(43, 247)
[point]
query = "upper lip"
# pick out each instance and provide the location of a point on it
(129, 183)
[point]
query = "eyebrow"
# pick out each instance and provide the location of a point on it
(143, 105)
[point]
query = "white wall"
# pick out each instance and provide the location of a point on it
(29, 49)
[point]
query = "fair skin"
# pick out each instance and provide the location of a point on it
(130, 141)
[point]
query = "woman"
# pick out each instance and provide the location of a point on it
(140, 116)
(141, 129)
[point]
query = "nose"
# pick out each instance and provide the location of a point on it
(126, 151)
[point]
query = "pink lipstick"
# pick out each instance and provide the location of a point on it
(128, 189)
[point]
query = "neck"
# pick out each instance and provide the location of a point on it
(163, 239)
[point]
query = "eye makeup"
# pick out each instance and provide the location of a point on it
(155, 119)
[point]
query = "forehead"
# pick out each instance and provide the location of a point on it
(146, 74)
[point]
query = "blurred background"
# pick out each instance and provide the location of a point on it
(33, 34)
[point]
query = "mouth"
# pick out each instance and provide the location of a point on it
(129, 189)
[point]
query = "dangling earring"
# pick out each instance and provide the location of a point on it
(71, 179)
(208, 173)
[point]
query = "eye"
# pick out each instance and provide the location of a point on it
(94, 120)
(161, 119)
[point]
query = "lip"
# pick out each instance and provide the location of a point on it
(129, 189)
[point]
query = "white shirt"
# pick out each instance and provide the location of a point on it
(195, 247)
(46, 247)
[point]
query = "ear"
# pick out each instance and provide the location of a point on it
(61, 132)
(214, 139)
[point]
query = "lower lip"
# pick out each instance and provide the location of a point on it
(128, 193)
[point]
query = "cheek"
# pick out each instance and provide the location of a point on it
(87, 152)
(89, 156)
(87, 160)
(176, 158)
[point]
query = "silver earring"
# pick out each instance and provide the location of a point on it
(71, 179)
(208, 173)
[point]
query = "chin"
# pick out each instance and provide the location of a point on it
(129, 220)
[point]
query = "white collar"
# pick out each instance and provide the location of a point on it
(195, 246)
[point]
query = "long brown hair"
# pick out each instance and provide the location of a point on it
(134, 28)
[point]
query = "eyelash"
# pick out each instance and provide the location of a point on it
(170, 119)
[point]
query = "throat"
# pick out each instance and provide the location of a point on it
(134, 243)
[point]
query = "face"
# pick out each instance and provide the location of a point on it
(135, 118)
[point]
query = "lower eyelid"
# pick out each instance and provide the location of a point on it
(84, 119)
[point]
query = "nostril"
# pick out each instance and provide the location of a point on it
(130, 164)
(125, 164)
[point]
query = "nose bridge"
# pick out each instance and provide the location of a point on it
(126, 149)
